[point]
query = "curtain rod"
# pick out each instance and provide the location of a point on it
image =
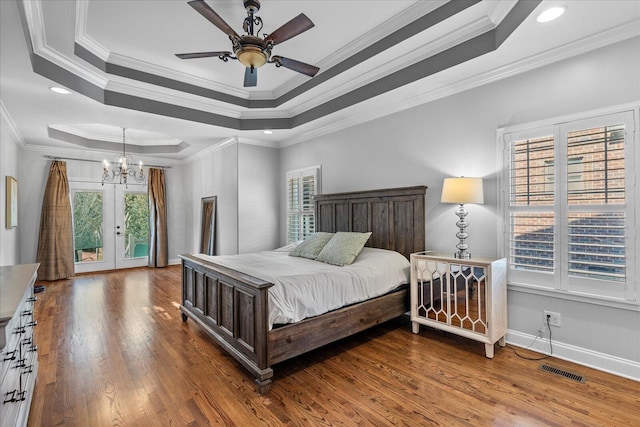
(98, 161)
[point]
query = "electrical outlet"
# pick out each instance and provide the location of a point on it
(554, 318)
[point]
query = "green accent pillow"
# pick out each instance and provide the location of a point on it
(312, 245)
(343, 248)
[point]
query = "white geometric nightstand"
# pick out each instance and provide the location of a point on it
(467, 297)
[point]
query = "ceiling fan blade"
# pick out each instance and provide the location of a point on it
(201, 55)
(300, 67)
(213, 17)
(250, 77)
(296, 26)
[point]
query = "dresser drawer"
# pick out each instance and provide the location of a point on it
(18, 353)
(11, 352)
(9, 388)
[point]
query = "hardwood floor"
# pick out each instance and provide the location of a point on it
(114, 352)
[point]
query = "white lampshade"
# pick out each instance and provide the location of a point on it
(462, 190)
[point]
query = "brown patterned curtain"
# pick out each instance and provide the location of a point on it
(55, 242)
(158, 248)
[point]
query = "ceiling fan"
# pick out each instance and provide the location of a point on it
(251, 50)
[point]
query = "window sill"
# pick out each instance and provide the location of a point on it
(575, 296)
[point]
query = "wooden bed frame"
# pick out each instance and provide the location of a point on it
(232, 307)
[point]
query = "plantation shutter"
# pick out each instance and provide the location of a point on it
(595, 200)
(569, 207)
(302, 186)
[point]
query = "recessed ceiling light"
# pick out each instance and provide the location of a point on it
(267, 132)
(551, 14)
(60, 90)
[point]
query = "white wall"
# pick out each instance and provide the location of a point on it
(258, 192)
(9, 154)
(214, 173)
(456, 136)
(245, 180)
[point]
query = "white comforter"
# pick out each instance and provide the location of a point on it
(304, 288)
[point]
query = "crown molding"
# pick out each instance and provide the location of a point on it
(81, 37)
(169, 97)
(256, 142)
(498, 10)
(391, 25)
(587, 44)
(7, 123)
(440, 44)
(568, 50)
(40, 47)
(81, 133)
(147, 67)
(216, 147)
(94, 154)
(62, 134)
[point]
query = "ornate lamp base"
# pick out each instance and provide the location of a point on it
(462, 234)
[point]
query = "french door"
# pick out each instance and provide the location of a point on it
(110, 226)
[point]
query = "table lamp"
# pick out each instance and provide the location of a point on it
(462, 190)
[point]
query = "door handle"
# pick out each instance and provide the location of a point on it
(118, 233)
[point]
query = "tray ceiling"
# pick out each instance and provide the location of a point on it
(117, 57)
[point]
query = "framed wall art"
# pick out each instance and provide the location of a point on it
(12, 202)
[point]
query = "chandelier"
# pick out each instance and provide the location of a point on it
(123, 167)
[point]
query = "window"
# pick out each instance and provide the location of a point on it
(302, 185)
(569, 208)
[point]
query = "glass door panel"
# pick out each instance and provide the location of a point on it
(132, 226)
(88, 226)
(136, 225)
(92, 224)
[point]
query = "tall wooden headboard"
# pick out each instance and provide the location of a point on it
(394, 216)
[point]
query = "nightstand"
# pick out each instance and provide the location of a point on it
(467, 297)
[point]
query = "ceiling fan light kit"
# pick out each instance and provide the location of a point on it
(249, 49)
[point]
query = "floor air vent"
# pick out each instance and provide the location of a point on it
(561, 372)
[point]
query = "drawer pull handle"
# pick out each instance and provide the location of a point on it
(27, 313)
(19, 330)
(32, 299)
(27, 341)
(32, 323)
(12, 357)
(27, 370)
(21, 363)
(15, 396)
(34, 347)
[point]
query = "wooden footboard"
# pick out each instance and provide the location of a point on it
(232, 308)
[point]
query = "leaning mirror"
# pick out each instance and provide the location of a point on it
(208, 226)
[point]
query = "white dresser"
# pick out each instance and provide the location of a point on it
(467, 297)
(18, 352)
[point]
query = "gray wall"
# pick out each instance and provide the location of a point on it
(456, 136)
(9, 154)
(214, 173)
(245, 180)
(258, 191)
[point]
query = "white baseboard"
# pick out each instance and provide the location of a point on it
(174, 261)
(603, 362)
